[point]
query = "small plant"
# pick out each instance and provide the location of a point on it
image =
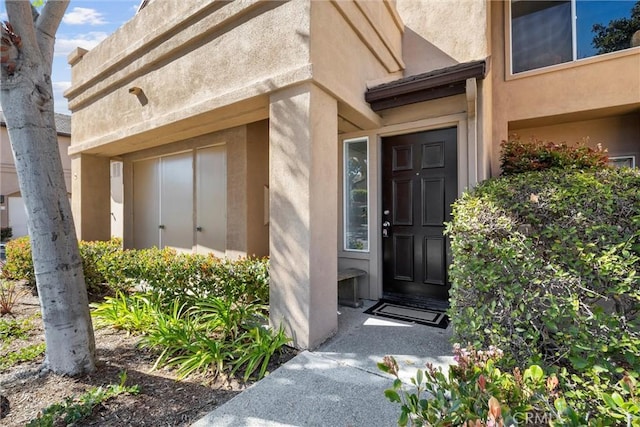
(14, 329)
(10, 293)
(25, 354)
(133, 313)
(213, 335)
(73, 410)
(255, 350)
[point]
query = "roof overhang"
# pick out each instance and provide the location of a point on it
(424, 87)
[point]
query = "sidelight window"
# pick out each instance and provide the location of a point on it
(545, 33)
(356, 194)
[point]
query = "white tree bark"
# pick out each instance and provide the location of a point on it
(27, 102)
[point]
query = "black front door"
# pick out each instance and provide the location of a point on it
(419, 184)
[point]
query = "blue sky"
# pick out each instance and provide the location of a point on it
(85, 24)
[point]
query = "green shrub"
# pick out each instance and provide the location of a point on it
(524, 156)
(545, 266)
(477, 393)
(108, 269)
(19, 265)
(96, 257)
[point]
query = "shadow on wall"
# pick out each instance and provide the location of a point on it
(288, 234)
(421, 56)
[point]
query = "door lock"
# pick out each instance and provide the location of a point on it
(385, 228)
(198, 228)
(161, 227)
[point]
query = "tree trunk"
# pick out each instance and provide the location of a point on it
(27, 103)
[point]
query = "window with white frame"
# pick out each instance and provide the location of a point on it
(356, 194)
(545, 33)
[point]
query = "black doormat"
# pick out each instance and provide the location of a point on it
(424, 316)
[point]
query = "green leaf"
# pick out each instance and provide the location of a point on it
(37, 3)
(560, 405)
(617, 399)
(404, 418)
(609, 401)
(392, 395)
(578, 362)
(534, 372)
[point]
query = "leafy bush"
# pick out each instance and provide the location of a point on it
(108, 268)
(545, 266)
(524, 156)
(95, 256)
(477, 393)
(19, 265)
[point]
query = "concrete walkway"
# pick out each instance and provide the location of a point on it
(339, 384)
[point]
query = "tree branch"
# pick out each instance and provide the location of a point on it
(51, 16)
(47, 24)
(20, 16)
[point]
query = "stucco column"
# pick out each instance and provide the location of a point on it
(303, 184)
(91, 197)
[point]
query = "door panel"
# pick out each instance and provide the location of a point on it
(176, 202)
(211, 196)
(146, 206)
(419, 184)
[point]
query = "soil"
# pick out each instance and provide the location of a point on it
(162, 401)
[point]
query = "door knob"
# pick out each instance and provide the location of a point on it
(161, 227)
(198, 228)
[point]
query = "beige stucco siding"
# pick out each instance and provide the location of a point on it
(601, 84)
(352, 45)
(443, 33)
(613, 133)
(210, 59)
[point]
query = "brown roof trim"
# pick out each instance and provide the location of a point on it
(423, 87)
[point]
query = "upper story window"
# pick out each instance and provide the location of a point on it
(545, 33)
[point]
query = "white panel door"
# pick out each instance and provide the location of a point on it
(17, 217)
(146, 206)
(211, 200)
(176, 202)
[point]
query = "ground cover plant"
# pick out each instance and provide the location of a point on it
(545, 268)
(160, 316)
(73, 410)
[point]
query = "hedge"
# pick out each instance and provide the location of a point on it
(107, 268)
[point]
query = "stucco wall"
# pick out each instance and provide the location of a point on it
(443, 33)
(198, 56)
(582, 92)
(355, 44)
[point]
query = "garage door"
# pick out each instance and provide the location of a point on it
(17, 217)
